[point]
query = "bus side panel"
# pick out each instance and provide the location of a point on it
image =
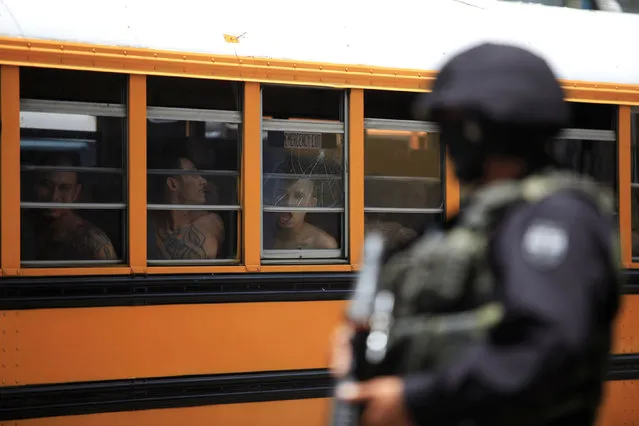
(620, 404)
(86, 344)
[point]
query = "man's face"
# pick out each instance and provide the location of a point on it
(191, 188)
(57, 187)
(297, 194)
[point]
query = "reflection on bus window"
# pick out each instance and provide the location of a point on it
(589, 145)
(594, 158)
(193, 170)
(303, 181)
(403, 185)
(72, 176)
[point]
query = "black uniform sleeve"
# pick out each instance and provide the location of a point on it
(551, 264)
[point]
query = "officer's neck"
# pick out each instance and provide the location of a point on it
(504, 168)
(498, 169)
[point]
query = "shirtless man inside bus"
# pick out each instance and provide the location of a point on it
(293, 232)
(61, 234)
(182, 234)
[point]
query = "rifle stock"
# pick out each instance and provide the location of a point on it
(359, 313)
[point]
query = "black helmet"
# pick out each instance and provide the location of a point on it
(510, 102)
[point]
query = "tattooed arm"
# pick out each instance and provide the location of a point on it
(100, 245)
(91, 241)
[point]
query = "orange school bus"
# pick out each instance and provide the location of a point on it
(183, 195)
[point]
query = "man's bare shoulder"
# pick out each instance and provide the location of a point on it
(211, 224)
(93, 239)
(321, 239)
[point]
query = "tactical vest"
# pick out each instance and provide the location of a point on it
(446, 293)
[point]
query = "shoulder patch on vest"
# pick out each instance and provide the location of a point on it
(545, 244)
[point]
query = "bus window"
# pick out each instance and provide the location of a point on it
(589, 145)
(402, 167)
(303, 149)
(194, 137)
(72, 179)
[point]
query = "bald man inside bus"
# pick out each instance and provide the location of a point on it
(293, 232)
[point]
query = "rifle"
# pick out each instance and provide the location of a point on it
(369, 313)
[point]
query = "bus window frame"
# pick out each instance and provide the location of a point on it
(626, 134)
(10, 200)
(209, 116)
(136, 172)
(10, 170)
(250, 178)
(412, 126)
(310, 257)
(93, 110)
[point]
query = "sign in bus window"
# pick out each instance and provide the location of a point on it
(72, 140)
(193, 171)
(303, 176)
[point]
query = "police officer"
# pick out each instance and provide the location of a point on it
(513, 299)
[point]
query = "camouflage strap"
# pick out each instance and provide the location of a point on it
(481, 318)
(424, 331)
(535, 188)
(541, 186)
(496, 196)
